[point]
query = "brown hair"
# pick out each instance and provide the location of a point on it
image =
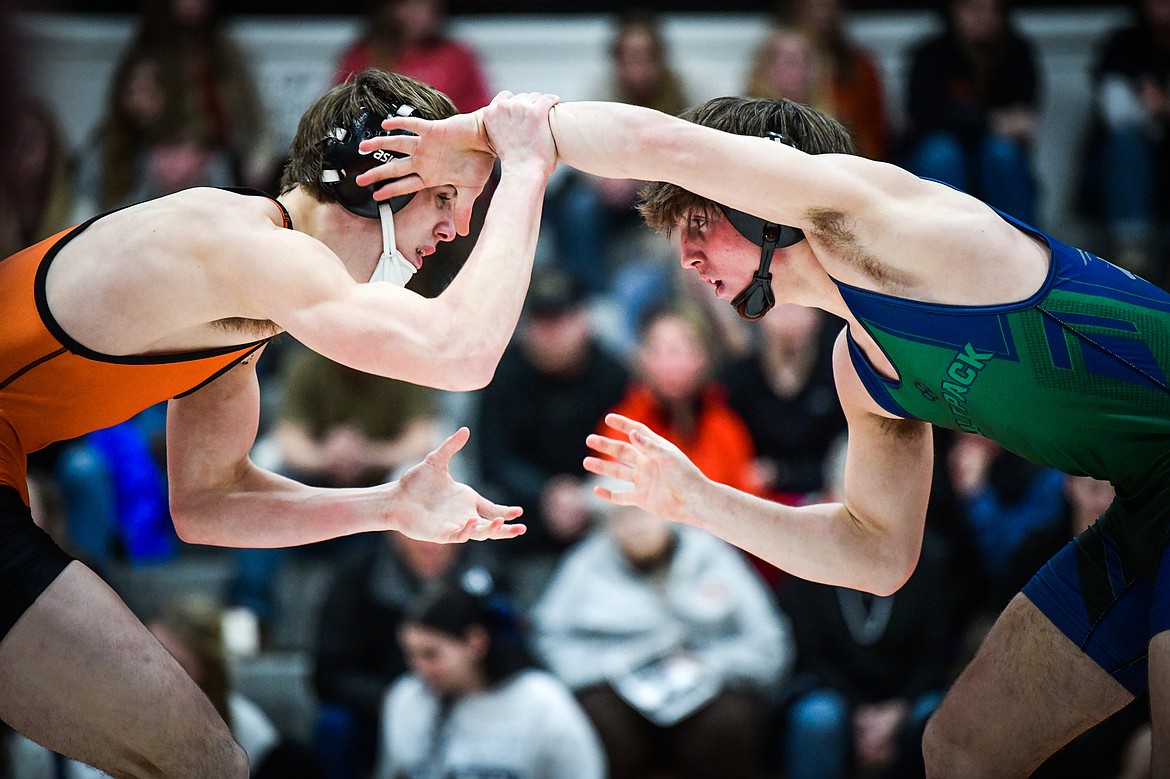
(805, 128)
(372, 90)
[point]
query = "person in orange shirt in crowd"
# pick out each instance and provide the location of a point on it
(676, 396)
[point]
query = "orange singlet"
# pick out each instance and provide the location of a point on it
(52, 388)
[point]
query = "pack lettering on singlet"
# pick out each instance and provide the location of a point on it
(963, 371)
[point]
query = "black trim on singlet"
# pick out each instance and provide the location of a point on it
(220, 372)
(260, 193)
(31, 365)
(70, 343)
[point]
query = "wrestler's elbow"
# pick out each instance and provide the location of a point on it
(476, 371)
(187, 522)
(467, 361)
(896, 565)
(462, 373)
(891, 554)
(191, 514)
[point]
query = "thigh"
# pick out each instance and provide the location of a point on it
(1028, 691)
(81, 675)
(1160, 668)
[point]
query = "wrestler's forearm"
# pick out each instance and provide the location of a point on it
(823, 543)
(482, 304)
(261, 510)
(620, 141)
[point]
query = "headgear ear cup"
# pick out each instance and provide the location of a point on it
(757, 298)
(344, 161)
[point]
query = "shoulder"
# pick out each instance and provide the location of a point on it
(533, 681)
(220, 205)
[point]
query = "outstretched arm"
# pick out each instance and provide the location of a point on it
(219, 497)
(869, 541)
(620, 141)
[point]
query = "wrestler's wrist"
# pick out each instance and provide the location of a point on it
(482, 141)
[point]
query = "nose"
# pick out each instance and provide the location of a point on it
(689, 255)
(446, 231)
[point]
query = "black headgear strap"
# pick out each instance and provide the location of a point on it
(344, 161)
(756, 299)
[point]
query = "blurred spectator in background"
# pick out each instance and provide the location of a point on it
(114, 487)
(598, 231)
(150, 141)
(35, 161)
(850, 74)
(786, 65)
(407, 37)
(785, 394)
(672, 644)
(335, 427)
(973, 99)
(191, 630)
(1005, 498)
(473, 705)
(554, 384)
(1083, 500)
(339, 427)
(216, 83)
(870, 669)
(674, 393)
(1129, 150)
(357, 654)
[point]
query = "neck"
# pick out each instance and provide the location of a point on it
(349, 237)
(800, 278)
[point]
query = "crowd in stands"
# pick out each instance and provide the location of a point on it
(603, 642)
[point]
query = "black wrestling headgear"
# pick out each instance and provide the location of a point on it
(756, 299)
(344, 161)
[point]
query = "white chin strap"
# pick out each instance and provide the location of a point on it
(392, 266)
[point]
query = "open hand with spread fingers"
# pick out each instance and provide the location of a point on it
(437, 508)
(461, 149)
(664, 480)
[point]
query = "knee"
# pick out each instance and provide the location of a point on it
(943, 752)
